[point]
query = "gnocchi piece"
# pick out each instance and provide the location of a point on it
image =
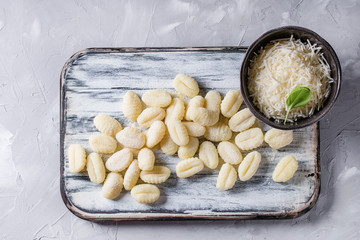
(203, 116)
(77, 158)
(145, 193)
(150, 115)
(176, 110)
(156, 98)
(155, 133)
(131, 106)
(195, 102)
(209, 154)
(168, 146)
(249, 139)
(131, 175)
(157, 175)
(131, 137)
(213, 101)
(178, 132)
(112, 186)
(194, 129)
(249, 165)
(242, 120)
(231, 103)
(219, 132)
(227, 177)
(186, 85)
(95, 168)
(146, 159)
(229, 152)
(119, 161)
(189, 167)
(107, 125)
(102, 143)
(285, 169)
(278, 138)
(189, 149)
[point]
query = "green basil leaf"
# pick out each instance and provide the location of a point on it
(299, 97)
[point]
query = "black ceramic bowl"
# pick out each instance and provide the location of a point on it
(303, 34)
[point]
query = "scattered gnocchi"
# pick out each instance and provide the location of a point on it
(227, 177)
(107, 124)
(119, 161)
(77, 158)
(113, 185)
(189, 167)
(174, 125)
(95, 168)
(145, 193)
(278, 138)
(249, 139)
(158, 174)
(186, 85)
(285, 169)
(102, 143)
(156, 98)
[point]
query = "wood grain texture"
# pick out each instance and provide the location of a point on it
(95, 80)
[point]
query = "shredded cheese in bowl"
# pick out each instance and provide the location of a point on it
(280, 67)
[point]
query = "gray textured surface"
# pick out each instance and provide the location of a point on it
(95, 82)
(37, 37)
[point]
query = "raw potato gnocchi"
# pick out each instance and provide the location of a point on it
(285, 169)
(227, 177)
(150, 115)
(157, 175)
(168, 146)
(156, 98)
(209, 154)
(77, 158)
(194, 129)
(186, 85)
(131, 137)
(178, 132)
(195, 102)
(107, 124)
(189, 167)
(229, 152)
(95, 168)
(102, 143)
(249, 165)
(242, 120)
(203, 116)
(119, 161)
(145, 193)
(112, 186)
(189, 149)
(249, 139)
(219, 132)
(131, 106)
(131, 175)
(176, 110)
(146, 159)
(213, 101)
(278, 138)
(231, 103)
(155, 133)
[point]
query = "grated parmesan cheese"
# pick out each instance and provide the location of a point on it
(282, 66)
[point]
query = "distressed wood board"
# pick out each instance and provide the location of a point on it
(95, 80)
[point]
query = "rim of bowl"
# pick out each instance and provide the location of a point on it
(318, 115)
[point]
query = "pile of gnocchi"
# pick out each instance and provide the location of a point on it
(175, 123)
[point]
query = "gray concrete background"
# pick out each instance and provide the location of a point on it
(37, 37)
